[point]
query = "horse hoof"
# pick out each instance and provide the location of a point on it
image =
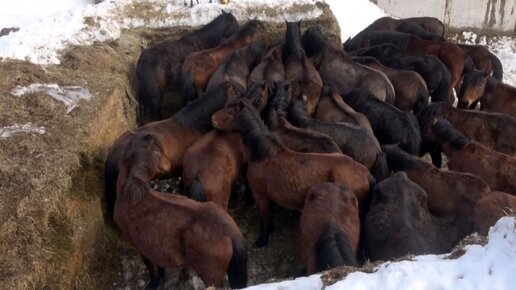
(260, 243)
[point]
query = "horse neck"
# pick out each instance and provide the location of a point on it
(133, 182)
(197, 114)
(259, 141)
(400, 160)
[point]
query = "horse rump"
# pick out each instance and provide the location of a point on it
(333, 249)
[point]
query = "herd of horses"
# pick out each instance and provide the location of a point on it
(335, 134)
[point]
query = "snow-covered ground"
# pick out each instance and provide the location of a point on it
(482, 267)
(47, 27)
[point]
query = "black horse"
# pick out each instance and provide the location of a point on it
(158, 69)
(390, 125)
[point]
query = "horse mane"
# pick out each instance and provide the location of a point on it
(292, 46)
(298, 115)
(253, 94)
(314, 42)
(399, 39)
(445, 132)
(137, 163)
(277, 104)
(398, 159)
(197, 113)
(249, 29)
(387, 49)
(221, 26)
(261, 143)
(432, 110)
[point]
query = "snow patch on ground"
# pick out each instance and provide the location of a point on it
(482, 267)
(8, 131)
(68, 95)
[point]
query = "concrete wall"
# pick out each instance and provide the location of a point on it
(487, 15)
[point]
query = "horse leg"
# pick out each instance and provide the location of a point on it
(156, 273)
(435, 154)
(264, 206)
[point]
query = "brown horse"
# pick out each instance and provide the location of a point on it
(270, 69)
(409, 87)
(304, 79)
(296, 139)
(172, 231)
(484, 60)
(450, 194)
(236, 69)
(491, 208)
(198, 67)
(279, 175)
(176, 134)
(338, 71)
(211, 166)
(354, 141)
(159, 67)
(497, 131)
(498, 170)
(398, 221)
(332, 108)
(329, 228)
(500, 99)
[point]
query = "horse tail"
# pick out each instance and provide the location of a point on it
(149, 98)
(497, 67)
(196, 190)
(188, 87)
(380, 169)
(422, 97)
(412, 142)
(441, 93)
(390, 96)
(237, 270)
(110, 180)
(333, 248)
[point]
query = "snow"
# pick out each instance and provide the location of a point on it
(8, 131)
(68, 95)
(481, 267)
(354, 16)
(45, 30)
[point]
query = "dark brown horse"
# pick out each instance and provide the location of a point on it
(211, 166)
(329, 228)
(465, 78)
(398, 221)
(172, 231)
(491, 208)
(409, 87)
(354, 141)
(338, 71)
(429, 67)
(270, 69)
(159, 67)
(500, 99)
(497, 131)
(296, 139)
(450, 194)
(484, 60)
(278, 175)
(175, 134)
(237, 68)
(498, 170)
(304, 79)
(332, 108)
(198, 67)
(424, 27)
